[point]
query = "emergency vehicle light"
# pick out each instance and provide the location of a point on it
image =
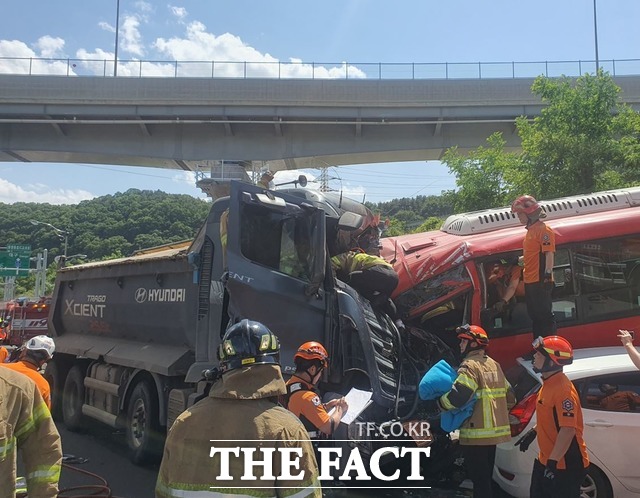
(495, 219)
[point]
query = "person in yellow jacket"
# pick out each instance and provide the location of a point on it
(363, 269)
(241, 411)
(26, 425)
(488, 425)
(34, 354)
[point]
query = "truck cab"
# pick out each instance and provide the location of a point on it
(135, 335)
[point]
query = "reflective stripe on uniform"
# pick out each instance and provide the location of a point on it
(464, 380)
(7, 448)
(504, 430)
(44, 474)
(40, 412)
(487, 395)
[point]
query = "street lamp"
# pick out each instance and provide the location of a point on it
(115, 58)
(62, 235)
(595, 33)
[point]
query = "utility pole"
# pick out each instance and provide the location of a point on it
(324, 179)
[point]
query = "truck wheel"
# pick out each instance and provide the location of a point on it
(73, 399)
(143, 426)
(55, 373)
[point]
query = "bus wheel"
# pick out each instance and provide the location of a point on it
(144, 437)
(73, 399)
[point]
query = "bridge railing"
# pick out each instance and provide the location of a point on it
(311, 70)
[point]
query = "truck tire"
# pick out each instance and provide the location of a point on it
(55, 374)
(73, 399)
(144, 437)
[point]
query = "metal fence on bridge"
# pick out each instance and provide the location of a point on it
(312, 70)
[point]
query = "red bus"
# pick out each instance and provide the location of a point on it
(444, 273)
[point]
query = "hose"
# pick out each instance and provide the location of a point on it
(101, 490)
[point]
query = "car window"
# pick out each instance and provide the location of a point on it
(614, 393)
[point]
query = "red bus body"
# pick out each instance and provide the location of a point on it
(597, 273)
(23, 319)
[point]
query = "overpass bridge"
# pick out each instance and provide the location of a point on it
(292, 123)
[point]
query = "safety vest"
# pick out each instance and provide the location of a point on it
(489, 422)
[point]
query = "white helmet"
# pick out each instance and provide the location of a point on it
(41, 343)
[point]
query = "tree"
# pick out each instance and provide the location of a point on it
(584, 140)
(482, 175)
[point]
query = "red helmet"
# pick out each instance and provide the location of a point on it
(473, 333)
(556, 348)
(525, 204)
(313, 350)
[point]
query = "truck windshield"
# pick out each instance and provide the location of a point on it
(280, 240)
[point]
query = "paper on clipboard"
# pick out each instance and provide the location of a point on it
(357, 401)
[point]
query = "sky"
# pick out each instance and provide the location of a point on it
(335, 31)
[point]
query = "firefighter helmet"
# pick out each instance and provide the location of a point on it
(526, 204)
(556, 350)
(41, 343)
(248, 343)
(473, 333)
(312, 350)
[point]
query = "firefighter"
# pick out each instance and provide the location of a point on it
(488, 425)
(266, 179)
(562, 461)
(302, 397)
(26, 425)
(34, 354)
(241, 410)
(368, 273)
(538, 251)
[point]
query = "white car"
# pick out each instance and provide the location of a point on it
(609, 388)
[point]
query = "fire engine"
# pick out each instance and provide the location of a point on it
(22, 319)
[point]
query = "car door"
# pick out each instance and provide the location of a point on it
(276, 257)
(611, 411)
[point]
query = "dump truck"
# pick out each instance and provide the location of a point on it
(134, 335)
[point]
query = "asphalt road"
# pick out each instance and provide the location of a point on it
(105, 452)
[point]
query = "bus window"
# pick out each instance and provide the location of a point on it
(607, 273)
(564, 299)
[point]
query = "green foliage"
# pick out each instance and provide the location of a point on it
(482, 175)
(107, 227)
(583, 141)
(429, 224)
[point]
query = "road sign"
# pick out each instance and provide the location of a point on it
(14, 260)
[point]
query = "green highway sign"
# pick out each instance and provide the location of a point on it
(14, 260)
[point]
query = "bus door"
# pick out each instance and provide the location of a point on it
(276, 256)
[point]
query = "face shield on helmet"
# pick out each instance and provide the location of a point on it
(313, 350)
(43, 344)
(556, 350)
(248, 343)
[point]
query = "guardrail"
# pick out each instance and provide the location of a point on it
(311, 70)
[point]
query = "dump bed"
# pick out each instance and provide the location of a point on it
(138, 311)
